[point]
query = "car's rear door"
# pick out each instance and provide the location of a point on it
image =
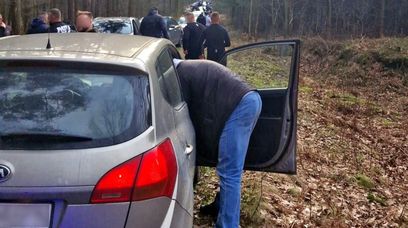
(272, 68)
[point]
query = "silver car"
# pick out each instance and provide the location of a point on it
(119, 25)
(94, 131)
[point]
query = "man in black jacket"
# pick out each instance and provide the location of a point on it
(154, 25)
(224, 111)
(39, 24)
(191, 37)
(215, 38)
(56, 24)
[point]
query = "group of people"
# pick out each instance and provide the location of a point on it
(52, 22)
(197, 37)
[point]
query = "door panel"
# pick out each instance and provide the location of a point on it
(272, 68)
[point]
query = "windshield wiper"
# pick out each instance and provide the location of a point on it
(43, 137)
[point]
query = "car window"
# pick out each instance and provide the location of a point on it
(170, 22)
(113, 26)
(106, 108)
(168, 79)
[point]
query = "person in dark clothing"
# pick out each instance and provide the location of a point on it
(39, 24)
(56, 24)
(215, 38)
(201, 19)
(224, 111)
(5, 30)
(191, 37)
(154, 25)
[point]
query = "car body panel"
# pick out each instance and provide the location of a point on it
(141, 212)
(66, 178)
(175, 30)
(100, 215)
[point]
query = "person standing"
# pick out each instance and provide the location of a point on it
(191, 37)
(207, 19)
(39, 24)
(215, 38)
(5, 30)
(56, 24)
(154, 25)
(83, 22)
(202, 19)
(224, 111)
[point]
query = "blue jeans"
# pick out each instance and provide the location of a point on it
(233, 147)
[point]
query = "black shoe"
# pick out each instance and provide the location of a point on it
(211, 209)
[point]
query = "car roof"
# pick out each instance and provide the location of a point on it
(79, 43)
(114, 18)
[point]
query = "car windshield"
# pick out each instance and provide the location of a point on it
(94, 109)
(113, 26)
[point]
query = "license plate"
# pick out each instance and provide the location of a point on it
(25, 215)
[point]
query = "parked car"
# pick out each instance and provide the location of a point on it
(95, 132)
(120, 25)
(175, 31)
(182, 22)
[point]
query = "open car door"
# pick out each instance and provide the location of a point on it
(272, 68)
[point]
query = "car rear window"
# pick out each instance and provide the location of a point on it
(61, 108)
(113, 26)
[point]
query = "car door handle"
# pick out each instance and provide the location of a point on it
(189, 149)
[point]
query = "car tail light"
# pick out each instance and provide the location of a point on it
(150, 175)
(157, 173)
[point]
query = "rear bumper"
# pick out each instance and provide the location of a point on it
(71, 212)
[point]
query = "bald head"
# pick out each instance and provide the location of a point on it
(83, 22)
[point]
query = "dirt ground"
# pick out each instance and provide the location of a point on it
(352, 144)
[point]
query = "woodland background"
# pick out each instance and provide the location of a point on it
(257, 18)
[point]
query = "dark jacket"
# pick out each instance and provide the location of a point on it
(201, 19)
(153, 25)
(191, 39)
(37, 26)
(60, 27)
(5, 31)
(215, 38)
(212, 92)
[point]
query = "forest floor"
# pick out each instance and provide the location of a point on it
(352, 144)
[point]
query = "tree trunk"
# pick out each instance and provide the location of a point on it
(382, 18)
(15, 17)
(329, 19)
(250, 18)
(286, 17)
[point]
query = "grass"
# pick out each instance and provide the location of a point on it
(374, 198)
(364, 181)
